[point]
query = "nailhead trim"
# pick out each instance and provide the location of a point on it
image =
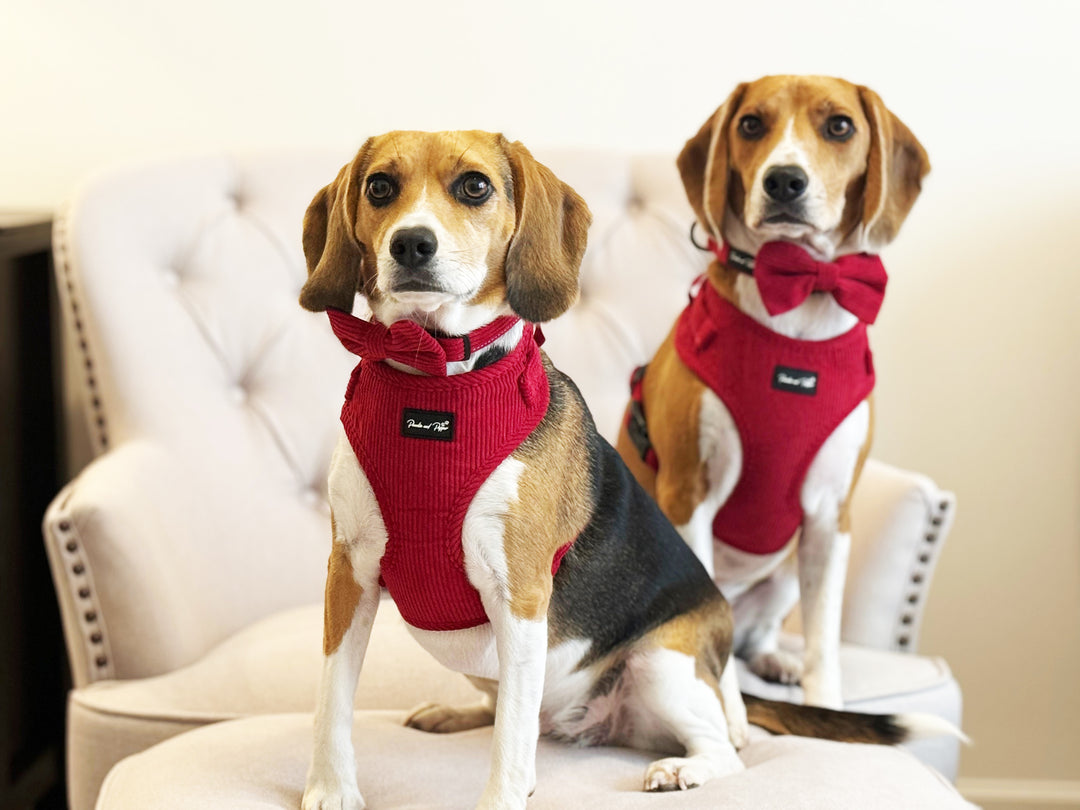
(63, 268)
(919, 576)
(94, 632)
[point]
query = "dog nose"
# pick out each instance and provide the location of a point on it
(413, 247)
(785, 183)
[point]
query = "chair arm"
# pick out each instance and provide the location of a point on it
(899, 522)
(103, 534)
(156, 558)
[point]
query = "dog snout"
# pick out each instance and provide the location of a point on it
(413, 248)
(785, 183)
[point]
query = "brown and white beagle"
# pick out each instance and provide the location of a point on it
(627, 644)
(821, 163)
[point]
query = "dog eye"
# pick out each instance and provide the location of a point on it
(381, 189)
(751, 127)
(839, 128)
(473, 188)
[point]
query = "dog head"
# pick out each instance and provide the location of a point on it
(450, 229)
(806, 159)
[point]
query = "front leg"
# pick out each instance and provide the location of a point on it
(352, 599)
(824, 546)
(823, 558)
(331, 780)
(522, 648)
(508, 561)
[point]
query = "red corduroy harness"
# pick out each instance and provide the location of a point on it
(786, 396)
(427, 444)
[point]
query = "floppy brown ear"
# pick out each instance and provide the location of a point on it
(552, 226)
(895, 167)
(334, 256)
(704, 166)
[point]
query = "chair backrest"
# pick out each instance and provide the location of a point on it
(179, 283)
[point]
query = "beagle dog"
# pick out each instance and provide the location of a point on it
(471, 483)
(751, 424)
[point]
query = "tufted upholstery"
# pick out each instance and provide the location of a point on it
(209, 400)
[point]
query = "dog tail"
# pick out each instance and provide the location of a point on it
(780, 717)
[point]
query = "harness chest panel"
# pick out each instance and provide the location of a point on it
(786, 396)
(427, 444)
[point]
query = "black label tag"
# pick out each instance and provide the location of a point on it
(795, 380)
(418, 424)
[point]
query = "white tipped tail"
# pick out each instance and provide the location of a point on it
(919, 725)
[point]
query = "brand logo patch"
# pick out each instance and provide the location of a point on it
(418, 424)
(795, 380)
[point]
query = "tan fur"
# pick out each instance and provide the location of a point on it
(879, 172)
(549, 240)
(342, 596)
(535, 228)
(704, 633)
(554, 501)
(844, 522)
(879, 169)
(343, 231)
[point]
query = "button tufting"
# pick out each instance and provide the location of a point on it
(171, 278)
(238, 394)
(310, 498)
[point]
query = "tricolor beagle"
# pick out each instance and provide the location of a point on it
(469, 470)
(752, 422)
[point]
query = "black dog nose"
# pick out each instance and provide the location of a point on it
(413, 247)
(785, 183)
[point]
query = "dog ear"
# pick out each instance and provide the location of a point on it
(550, 233)
(334, 256)
(895, 168)
(704, 167)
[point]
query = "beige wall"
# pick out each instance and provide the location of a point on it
(979, 344)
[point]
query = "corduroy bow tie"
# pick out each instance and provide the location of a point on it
(786, 275)
(409, 343)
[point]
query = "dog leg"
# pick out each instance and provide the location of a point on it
(331, 780)
(672, 704)
(439, 719)
(823, 550)
(759, 613)
(522, 650)
(823, 557)
(352, 598)
(734, 708)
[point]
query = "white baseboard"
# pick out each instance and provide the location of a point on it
(1025, 793)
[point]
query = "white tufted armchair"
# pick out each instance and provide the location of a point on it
(189, 557)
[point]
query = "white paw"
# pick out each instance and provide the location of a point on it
(739, 731)
(777, 666)
(501, 801)
(683, 773)
(332, 796)
(439, 719)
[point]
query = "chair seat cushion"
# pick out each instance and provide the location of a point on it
(274, 667)
(261, 763)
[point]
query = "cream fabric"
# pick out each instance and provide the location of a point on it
(261, 763)
(211, 400)
(247, 675)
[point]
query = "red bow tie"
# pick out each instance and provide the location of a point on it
(786, 275)
(410, 343)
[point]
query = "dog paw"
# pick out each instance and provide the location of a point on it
(684, 773)
(438, 719)
(819, 694)
(739, 732)
(332, 797)
(777, 666)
